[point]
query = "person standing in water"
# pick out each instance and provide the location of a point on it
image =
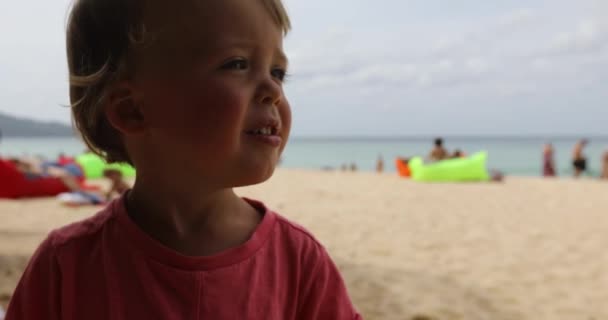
(605, 166)
(380, 164)
(579, 161)
(548, 161)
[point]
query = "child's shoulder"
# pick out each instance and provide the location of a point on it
(81, 231)
(281, 226)
(293, 229)
(297, 238)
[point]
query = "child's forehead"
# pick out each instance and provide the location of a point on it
(202, 15)
(196, 29)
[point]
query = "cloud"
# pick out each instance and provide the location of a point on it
(414, 64)
(485, 33)
(516, 19)
(509, 50)
(589, 36)
(421, 76)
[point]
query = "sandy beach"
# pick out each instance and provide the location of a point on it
(524, 249)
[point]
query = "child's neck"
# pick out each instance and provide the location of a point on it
(198, 224)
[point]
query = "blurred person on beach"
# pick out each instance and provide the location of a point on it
(64, 159)
(439, 152)
(28, 177)
(579, 161)
(118, 186)
(548, 161)
(191, 94)
(496, 175)
(458, 154)
(605, 166)
(33, 170)
(380, 164)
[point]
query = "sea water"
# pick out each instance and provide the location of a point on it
(512, 155)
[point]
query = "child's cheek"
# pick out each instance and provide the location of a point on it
(214, 114)
(212, 118)
(207, 115)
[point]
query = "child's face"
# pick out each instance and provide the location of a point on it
(224, 86)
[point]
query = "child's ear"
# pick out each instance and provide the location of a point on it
(123, 109)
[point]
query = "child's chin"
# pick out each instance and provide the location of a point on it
(256, 177)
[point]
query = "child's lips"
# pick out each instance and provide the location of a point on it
(273, 140)
(268, 125)
(266, 130)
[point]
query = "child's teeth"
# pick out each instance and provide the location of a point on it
(263, 131)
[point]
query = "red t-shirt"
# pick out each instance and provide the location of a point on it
(105, 267)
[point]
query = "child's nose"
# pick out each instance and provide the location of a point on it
(269, 92)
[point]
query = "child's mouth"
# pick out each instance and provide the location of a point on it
(266, 131)
(268, 135)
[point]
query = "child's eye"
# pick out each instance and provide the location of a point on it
(236, 64)
(279, 74)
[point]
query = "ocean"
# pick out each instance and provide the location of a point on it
(519, 156)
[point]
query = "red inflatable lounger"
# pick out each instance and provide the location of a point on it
(14, 185)
(402, 168)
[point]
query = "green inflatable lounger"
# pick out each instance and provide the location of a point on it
(93, 166)
(468, 169)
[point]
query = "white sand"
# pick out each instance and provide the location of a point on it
(524, 249)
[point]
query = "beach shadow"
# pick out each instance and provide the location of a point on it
(392, 294)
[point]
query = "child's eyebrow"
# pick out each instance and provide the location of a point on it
(282, 57)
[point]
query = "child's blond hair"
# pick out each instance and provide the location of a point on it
(102, 36)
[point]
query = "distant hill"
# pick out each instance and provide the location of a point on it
(18, 127)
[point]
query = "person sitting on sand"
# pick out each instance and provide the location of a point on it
(118, 185)
(439, 152)
(579, 161)
(548, 161)
(605, 166)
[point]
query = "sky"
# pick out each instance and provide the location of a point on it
(384, 67)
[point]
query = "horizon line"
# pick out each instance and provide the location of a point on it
(396, 137)
(453, 136)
